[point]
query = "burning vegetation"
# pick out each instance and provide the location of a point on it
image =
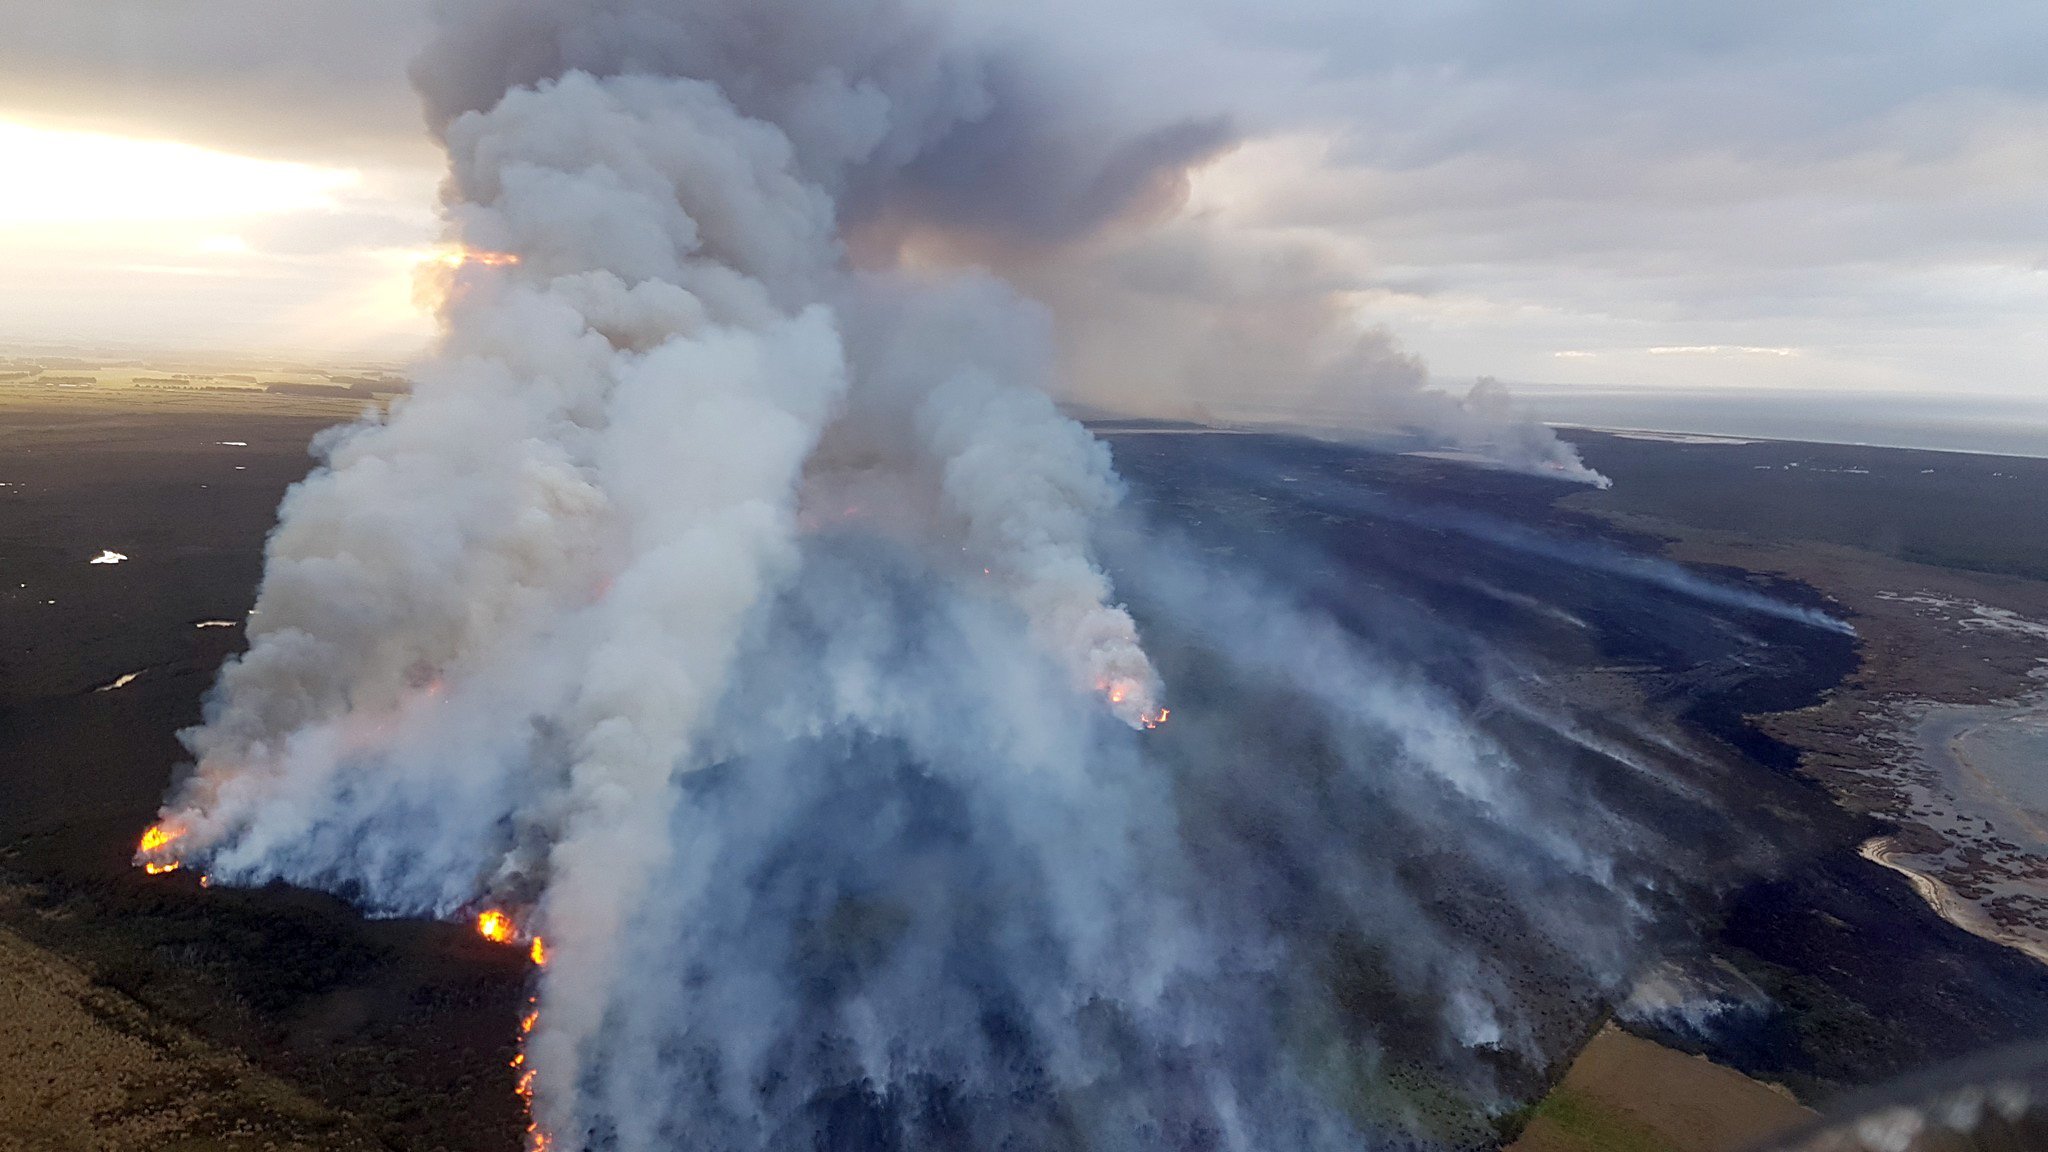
(448, 274)
(496, 927)
(499, 927)
(537, 1140)
(1120, 691)
(154, 852)
(458, 258)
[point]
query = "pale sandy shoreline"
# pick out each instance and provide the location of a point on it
(1945, 901)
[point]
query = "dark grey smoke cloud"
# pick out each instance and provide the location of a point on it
(1859, 182)
(1185, 320)
(728, 608)
(319, 80)
(962, 154)
(884, 103)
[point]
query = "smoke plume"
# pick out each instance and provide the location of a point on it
(1166, 311)
(723, 605)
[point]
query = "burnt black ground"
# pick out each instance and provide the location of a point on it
(1869, 983)
(409, 1026)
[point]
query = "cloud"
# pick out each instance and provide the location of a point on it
(315, 80)
(1498, 182)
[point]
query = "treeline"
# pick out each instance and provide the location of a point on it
(362, 390)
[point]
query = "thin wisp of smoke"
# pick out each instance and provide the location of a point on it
(726, 611)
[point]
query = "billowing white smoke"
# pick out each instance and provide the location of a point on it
(1190, 320)
(526, 589)
(728, 612)
(1175, 314)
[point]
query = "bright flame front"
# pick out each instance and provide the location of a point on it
(459, 257)
(1128, 699)
(496, 927)
(153, 853)
(446, 275)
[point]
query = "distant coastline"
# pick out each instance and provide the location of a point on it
(1700, 435)
(1997, 424)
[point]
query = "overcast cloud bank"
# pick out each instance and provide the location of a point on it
(1562, 196)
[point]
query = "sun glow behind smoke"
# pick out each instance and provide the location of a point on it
(447, 273)
(175, 245)
(70, 178)
(467, 257)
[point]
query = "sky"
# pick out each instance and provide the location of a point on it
(1848, 199)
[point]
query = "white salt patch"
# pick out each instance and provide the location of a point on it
(215, 624)
(123, 682)
(107, 556)
(232, 443)
(1981, 617)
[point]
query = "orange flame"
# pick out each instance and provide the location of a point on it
(463, 257)
(496, 927)
(159, 836)
(155, 841)
(442, 277)
(536, 1139)
(1119, 691)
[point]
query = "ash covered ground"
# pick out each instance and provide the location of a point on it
(1797, 962)
(1770, 945)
